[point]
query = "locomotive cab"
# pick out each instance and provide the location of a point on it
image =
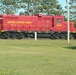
(58, 23)
(58, 28)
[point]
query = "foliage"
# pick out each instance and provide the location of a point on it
(72, 7)
(47, 7)
(8, 6)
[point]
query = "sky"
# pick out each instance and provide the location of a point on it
(63, 3)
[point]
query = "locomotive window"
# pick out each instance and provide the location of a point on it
(59, 21)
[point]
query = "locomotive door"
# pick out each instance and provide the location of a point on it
(47, 23)
(39, 24)
(1, 22)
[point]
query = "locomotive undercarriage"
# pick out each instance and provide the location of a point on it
(15, 35)
(21, 35)
(59, 35)
(62, 35)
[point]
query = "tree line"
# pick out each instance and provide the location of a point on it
(32, 7)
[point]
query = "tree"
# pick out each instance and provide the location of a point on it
(31, 7)
(52, 7)
(48, 7)
(72, 7)
(8, 6)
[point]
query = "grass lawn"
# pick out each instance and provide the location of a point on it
(41, 57)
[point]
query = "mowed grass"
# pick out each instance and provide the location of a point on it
(41, 57)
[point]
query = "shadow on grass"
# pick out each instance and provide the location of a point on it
(71, 47)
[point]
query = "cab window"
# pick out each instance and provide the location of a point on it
(59, 21)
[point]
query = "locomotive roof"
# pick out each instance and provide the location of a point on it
(39, 15)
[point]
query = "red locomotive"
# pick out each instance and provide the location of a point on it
(21, 26)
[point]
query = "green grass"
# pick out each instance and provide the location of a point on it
(41, 57)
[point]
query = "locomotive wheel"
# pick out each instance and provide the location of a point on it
(13, 35)
(64, 36)
(4, 36)
(52, 36)
(19, 36)
(71, 36)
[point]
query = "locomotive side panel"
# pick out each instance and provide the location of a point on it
(12, 26)
(27, 23)
(9, 22)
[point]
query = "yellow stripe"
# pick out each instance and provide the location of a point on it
(2, 30)
(59, 24)
(18, 30)
(73, 31)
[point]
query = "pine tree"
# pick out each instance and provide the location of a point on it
(8, 6)
(72, 10)
(31, 7)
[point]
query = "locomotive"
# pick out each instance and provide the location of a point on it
(22, 26)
